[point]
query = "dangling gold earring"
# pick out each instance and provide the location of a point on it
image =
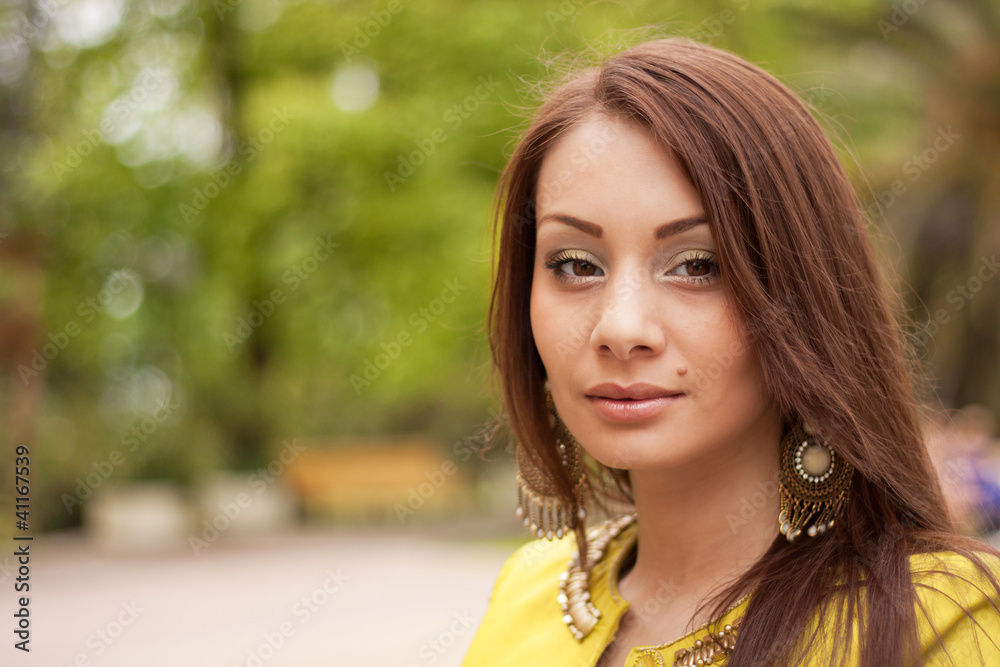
(814, 483)
(539, 506)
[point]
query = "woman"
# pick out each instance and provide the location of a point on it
(687, 318)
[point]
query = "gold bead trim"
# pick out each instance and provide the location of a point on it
(649, 658)
(726, 637)
(708, 648)
(579, 613)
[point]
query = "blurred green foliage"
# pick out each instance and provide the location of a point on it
(265, 200)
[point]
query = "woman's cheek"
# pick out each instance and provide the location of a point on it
(715, 355)
(561, 326)
(545, 324)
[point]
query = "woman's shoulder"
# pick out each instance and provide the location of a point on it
(958, 607)
(955, 574)
(542, 561)
(526, 616)
(954, 561)
(537, 560)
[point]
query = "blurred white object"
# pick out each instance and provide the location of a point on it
(242, 504)
(143, 517)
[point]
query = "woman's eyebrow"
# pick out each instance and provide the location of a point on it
(593, 229)
(679, 225)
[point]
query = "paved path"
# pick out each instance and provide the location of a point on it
(306, 599)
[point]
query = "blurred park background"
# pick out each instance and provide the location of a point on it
(244, 270)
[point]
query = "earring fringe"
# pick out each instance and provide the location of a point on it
(814, 484)
(539, 506)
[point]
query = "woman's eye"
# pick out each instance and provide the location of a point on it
(580, 267)
(698, 268)
(567, 267)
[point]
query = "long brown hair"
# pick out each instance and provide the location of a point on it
(795, 253)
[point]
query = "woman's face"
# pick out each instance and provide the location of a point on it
(626, 290)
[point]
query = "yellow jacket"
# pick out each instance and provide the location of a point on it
(524, 626)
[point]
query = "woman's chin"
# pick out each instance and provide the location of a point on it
(637, 457)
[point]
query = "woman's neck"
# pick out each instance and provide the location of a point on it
(701, 526)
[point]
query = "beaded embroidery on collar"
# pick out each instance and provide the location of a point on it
(709, 648)
(580, 614)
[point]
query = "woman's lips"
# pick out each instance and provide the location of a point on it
(631, 410)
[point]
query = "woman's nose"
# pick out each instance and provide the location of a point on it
(627, 324)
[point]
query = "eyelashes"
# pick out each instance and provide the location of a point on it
(563, 258)
(694, 267)
(704, 266)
